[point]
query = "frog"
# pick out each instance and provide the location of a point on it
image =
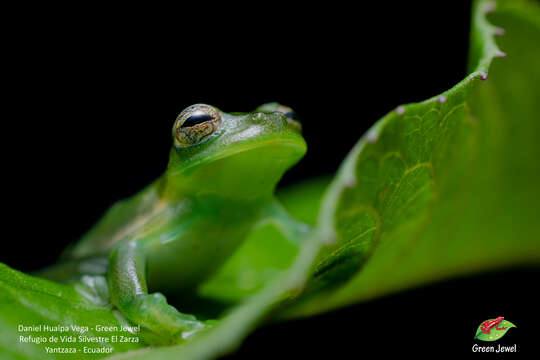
(487, 325)
(176, 233)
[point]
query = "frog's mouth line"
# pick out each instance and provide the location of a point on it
(242, 148)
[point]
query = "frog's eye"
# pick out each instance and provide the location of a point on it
(195, 124)
(291, 115)
(292, 119)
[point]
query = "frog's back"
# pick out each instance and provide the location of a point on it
(119, 222)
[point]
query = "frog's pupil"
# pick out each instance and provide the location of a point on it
(196, 118)
(291, 115)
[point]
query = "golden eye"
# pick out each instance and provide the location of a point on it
(195, 124)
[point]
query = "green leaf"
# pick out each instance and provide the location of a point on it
(29, 301)
(494, 334)
(303, 200)
(441, 188)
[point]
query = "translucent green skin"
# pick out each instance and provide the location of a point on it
(181, 228)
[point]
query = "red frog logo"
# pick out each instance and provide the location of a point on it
(493, 329)
(487, 325)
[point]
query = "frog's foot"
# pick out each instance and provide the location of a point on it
(152, 312)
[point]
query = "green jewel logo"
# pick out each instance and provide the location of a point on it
(493, 329)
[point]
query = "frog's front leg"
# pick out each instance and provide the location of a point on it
(295, 231)
(129, 293)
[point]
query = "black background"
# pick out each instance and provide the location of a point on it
(90, 96)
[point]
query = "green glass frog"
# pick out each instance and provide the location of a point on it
(219, 183)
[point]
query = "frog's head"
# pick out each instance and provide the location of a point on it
(236, 155)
